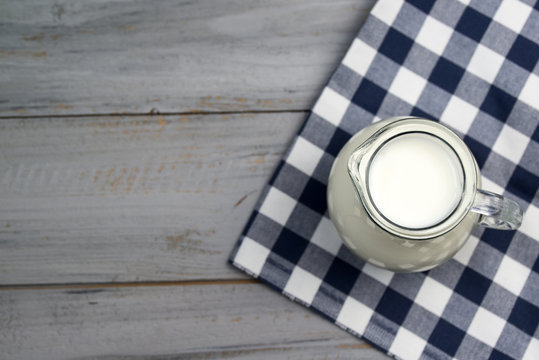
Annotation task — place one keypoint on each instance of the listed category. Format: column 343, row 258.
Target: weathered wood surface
column 95, row 57
column 246, row 321
column 116, row 199
column 148, row 207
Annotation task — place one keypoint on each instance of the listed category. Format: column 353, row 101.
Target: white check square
column 513, row 14
column 407, row 85
column 407, row 345
column 488, row 185
column 251, row 256
column 434, row 35
column 530, row 223
column 485, row 63
column 459, row 114
column 277, row 206
column 433, row 296
column 529, row 91
column 331, row 106
column 512, row 275
column 486, row 326
column 511, row 144
column 382, row 275
column 355, row 315
column 326, row 236
column 359, row 57
column 532, row 351
column 387, row 11
column 304, row 156
column 302, row 285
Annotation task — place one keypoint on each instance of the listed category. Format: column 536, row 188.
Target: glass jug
column 404, row 194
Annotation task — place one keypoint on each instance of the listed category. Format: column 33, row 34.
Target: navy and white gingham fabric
column 472, row 65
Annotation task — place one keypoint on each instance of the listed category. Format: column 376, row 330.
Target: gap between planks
column 130, row 284
column 153, row 113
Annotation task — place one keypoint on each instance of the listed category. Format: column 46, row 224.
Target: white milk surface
column 415, row 180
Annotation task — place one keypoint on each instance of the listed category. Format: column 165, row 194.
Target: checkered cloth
column 473, row 65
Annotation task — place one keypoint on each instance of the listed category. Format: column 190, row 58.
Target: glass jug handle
column 498, row 212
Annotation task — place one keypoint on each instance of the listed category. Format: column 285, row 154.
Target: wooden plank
column 146, row 198
column 89, row 57
column 175, row 322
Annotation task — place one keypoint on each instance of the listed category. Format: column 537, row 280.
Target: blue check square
column 396, row 46
column 498, row 103
column 473, row 286
column 523, row 183
column 524, row 52
column 341, row 275
column 369, row 96
column 473, row 24
column 394, row 306
column 446, row 337
column 446, row 75
column 290, row 246
column 525, row 316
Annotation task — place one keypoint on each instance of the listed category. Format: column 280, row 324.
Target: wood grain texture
column 176, row 322
column 147, row 198
column 89, row 57
column 115, row 228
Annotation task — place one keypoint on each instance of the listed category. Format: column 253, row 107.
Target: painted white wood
column 135, row 56
column 240, row 321
column 115, row 199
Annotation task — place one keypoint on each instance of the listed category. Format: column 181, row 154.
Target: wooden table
column 135, row 138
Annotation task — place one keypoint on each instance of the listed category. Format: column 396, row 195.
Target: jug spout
column 358, row 166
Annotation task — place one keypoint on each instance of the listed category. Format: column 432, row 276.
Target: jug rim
column 361, row 159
